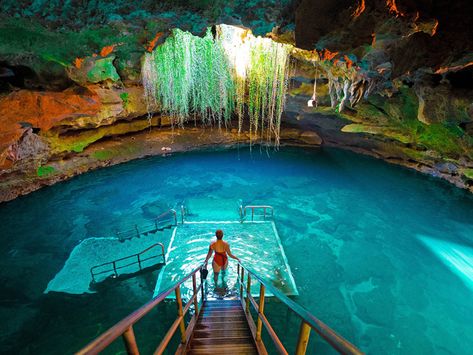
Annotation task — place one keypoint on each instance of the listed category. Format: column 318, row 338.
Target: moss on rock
column 44, row 171
column 79, row 141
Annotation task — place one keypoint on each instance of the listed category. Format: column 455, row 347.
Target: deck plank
column 222, row 329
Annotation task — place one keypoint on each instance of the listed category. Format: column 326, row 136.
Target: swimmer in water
column 221, row 249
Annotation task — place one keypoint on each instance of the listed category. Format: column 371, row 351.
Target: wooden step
column 206, row 315
column 238, row 340
column 222, row 318
column 221, row 325
column 223, row 308
column 227, row 310
column 222, row 328
column 223, row 332
column 211, row 303
column 223, row 350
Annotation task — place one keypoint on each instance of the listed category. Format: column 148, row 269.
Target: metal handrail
column 138, row 261
column 124, row 328
column 154, row 226
column 308, row 321
column 183, row 213
column 243, row 210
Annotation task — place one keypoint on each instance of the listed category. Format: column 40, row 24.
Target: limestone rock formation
column 390, row 78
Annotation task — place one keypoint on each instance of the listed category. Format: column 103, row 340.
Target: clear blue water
column 369, row 245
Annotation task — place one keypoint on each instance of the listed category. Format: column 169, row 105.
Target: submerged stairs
column 222, row 328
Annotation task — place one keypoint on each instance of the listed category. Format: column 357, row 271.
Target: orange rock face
column 107, row 50
column 44, row 109
column 40, row 110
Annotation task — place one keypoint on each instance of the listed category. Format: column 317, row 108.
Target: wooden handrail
column 308, row 321
column 243, row 210
column 124, row 327
column 138, row 261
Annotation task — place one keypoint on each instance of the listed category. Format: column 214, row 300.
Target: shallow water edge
column 166, row 141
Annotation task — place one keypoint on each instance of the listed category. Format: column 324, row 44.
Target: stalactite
column 345, row 95
column 332, row 90
column 357, row 90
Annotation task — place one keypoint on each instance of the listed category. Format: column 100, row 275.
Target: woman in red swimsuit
column 221, row 249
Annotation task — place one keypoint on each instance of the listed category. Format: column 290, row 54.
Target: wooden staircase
column 222, row 328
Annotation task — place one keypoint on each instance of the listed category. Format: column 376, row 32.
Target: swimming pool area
column 381, row 254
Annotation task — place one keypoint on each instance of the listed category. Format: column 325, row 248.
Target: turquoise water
column 251, row 241
column 380, row 253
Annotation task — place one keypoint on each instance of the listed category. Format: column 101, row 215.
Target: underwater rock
column 375, row 307
column 153, row 209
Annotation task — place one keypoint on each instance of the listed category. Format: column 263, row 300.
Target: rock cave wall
column 393, row 79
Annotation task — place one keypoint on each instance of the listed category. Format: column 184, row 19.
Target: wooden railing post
column 182, row 325
column 130, row 342
column 202, row 287
column 238, row 275
column 304, row 333
column 248, row 293
column 259, row 323
column 194, row 288
column 241, row 282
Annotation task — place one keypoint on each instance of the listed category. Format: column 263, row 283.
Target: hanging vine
column 213, row 78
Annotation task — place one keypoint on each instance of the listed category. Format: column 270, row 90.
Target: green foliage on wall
column 103, row 69
column 61, row 46
column 447, row 139
column 103, row 154
column 213, row 78
column 125, row 99
column 45, row 170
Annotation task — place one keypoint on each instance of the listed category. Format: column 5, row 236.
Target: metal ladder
column 206, row 314
column 268, row 212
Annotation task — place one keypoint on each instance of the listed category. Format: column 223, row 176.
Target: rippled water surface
column 382, row 254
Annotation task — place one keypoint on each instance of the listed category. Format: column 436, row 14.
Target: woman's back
column 219, row 246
